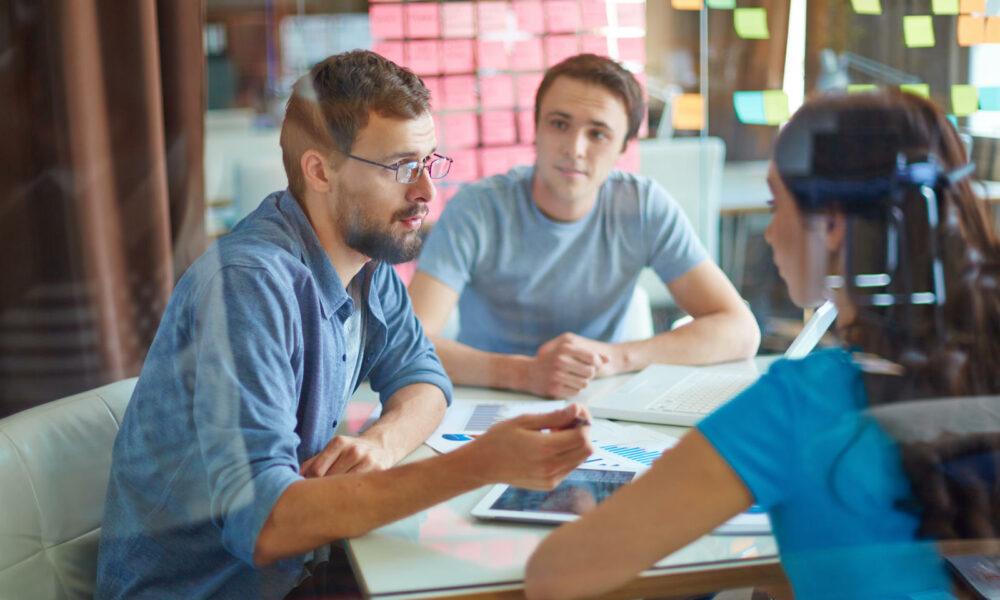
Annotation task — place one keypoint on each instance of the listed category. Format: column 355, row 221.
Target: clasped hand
column 565, row 365
column 344, row 454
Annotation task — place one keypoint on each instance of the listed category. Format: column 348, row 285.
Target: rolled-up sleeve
column 408, row 356
column 245, row 401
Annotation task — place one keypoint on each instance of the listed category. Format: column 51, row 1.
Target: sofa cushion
column 54, row 462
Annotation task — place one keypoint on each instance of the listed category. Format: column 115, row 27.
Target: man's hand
column 518, row 452
column 347, row 455
column 565, row 365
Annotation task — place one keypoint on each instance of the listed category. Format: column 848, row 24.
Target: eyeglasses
column 409, row 172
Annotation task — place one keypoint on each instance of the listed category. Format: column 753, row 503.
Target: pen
column 579, row 422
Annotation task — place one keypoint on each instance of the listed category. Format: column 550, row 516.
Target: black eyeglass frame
column 419, row 170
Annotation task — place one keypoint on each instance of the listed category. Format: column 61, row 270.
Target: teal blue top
column 831, row 480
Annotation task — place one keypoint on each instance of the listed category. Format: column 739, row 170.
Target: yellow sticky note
column 992, row 30
column 971, row 30
column 776, row 107
column 688, row 112
column 944, row 7
column 686, row 4
column 964, row 100
column 919, row 89
column 867, row 7
column 971, row 6
column 918, row 31
column 861, row 88
column 751, row 23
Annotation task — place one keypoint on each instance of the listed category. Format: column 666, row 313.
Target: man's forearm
column 468, row 366
column 708, row 339
column 408, row 418
column 314, row 512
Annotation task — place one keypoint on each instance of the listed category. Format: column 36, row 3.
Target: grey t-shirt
column 354, row 334
column 525, row 279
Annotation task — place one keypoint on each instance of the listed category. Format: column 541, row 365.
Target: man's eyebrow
column 569, row 117
column 407, row 154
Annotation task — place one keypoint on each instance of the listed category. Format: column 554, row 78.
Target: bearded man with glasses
column 227, row 478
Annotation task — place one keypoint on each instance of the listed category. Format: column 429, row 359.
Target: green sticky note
column 964, row 100
column 867, row 7
column 776, row 107
column 726, row 4
column 751, row 23
column 944, row 7
column 861, row 88
column 919, row 89
column 918, row 31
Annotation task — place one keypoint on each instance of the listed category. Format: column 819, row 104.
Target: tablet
column 579, row 492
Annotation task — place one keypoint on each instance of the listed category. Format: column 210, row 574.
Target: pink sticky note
column 526, row 126
column 386, row 21
column 492, row 55
column 498, row 128
column 632, row 49
column 527, row 55
column 629, row 161
column 459, row 92
column 390, row 50
column 492, row 17
column 422, row 56
column 530, row 16
column 527, row 85
column 496, row 91
column 461, row 130
column 495, row 161
column 559, row 47
column 562, row 15
column 457, row 56
column 458, row 20
column 594, row 44
column 632, row 15
column 433, row 85
column 406, row 271
column 422, row 20
column 594, row 15
column 466, row 166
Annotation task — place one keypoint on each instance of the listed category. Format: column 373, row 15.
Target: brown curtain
column 101, row 191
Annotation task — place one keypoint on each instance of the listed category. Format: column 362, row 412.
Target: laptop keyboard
column 696, row 395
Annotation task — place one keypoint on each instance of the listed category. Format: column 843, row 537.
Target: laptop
column 683, row 395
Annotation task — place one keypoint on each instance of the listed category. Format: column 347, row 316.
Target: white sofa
column 54, row 466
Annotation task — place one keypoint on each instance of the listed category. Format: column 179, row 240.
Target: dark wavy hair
column 940, row 351
column 331, row 103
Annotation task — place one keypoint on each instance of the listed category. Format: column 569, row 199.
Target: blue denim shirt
column 243, row 382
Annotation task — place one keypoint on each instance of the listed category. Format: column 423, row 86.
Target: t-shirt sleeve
column 673, row 246
column 408, row 356
column 453, row 248
column 245, row 400
column 762, row 432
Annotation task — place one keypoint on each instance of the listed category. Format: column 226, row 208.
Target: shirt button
column 343, row 357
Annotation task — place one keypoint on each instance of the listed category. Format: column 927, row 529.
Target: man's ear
column 316, row 170
column 835, row 225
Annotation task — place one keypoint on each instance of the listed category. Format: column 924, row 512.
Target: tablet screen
column 579, row 492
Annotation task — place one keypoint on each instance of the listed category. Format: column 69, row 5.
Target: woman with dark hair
column 872, row 208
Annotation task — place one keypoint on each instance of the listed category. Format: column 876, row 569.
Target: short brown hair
column 331, row 103
column 602, row 71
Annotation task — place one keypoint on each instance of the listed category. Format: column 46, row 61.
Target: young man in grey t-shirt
column 542, row 261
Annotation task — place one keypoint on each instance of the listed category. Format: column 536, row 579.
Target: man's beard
column 377, row 243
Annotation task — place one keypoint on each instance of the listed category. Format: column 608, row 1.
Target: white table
column 443, row 552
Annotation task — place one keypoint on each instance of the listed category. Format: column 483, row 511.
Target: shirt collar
column 332, row 294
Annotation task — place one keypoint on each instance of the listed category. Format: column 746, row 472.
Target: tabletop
column 445, row 552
